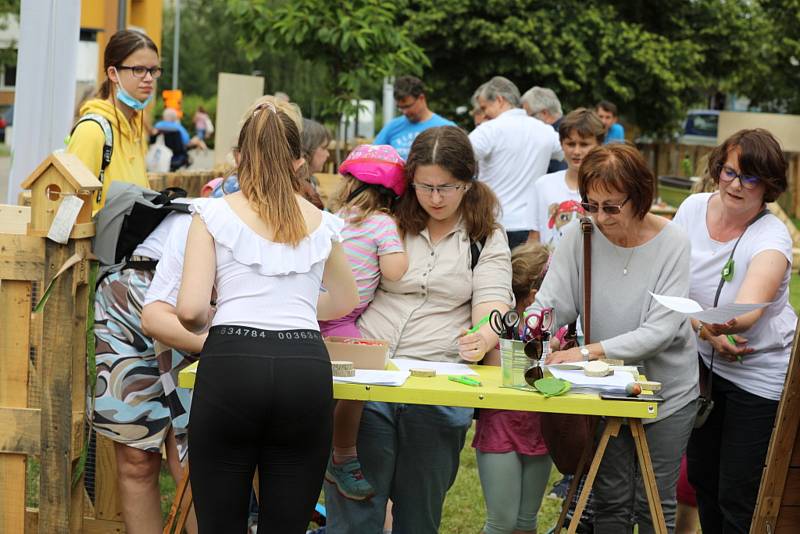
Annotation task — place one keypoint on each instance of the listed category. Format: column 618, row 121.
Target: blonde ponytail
column 266, row 174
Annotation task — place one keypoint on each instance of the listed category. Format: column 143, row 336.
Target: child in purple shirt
column 373, row 178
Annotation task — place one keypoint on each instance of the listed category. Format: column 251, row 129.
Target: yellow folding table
column 439, row 391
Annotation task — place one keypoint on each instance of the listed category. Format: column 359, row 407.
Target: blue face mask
column 126, row 98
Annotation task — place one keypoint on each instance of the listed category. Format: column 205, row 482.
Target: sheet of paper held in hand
column 719, row 315
column 375, row 378
column 441, row 368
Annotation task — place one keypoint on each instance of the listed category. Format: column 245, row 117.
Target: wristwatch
column 585, row 354
column 700, row 330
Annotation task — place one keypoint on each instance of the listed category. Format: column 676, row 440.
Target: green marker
column 467, row 381
column 479, row 325
column 732, row 341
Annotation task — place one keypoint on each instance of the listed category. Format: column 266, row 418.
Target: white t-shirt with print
column 763, row 372
column 554, row 206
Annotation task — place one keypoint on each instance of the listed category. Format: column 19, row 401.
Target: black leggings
column 261, row 399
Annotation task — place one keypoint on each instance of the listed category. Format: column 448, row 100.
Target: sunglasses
column 729, row 175
column 533, row 350
column 608, row 209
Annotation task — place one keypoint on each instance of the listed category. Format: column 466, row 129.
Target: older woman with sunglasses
column 740, row 253
column 634, row 253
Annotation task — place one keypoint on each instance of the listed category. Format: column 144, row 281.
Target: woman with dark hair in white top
column 740, row 253
column 263, row 395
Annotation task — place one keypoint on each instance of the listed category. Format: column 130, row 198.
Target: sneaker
column 349, row 479
column 561, row 488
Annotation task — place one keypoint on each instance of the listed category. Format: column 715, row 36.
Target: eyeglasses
column 139, row 71
column 443, row 190
column 728, row 175
column 608, row 209
column 407, row 106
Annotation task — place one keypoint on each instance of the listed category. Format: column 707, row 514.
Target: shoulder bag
column 567, row 435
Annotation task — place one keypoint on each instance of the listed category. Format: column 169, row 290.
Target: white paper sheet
column 719, row 315
column 441, row 368
column 375, row 378
column 65, row 219
column 578, row 379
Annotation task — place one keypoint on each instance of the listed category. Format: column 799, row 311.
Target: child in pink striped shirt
column 373, row 178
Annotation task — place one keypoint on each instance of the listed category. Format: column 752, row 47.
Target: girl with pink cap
column 373, row 178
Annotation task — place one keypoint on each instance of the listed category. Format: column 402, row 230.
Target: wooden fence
column 43, row 382
column 672, row 159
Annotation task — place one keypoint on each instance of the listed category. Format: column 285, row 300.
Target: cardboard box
column 372, row 356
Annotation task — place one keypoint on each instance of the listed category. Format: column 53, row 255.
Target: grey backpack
column 128, row 216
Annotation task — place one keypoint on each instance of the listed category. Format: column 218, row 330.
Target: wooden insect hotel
column 43, row 362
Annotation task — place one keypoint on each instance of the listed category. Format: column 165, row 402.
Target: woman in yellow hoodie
column 131, row 406
column 132, row 67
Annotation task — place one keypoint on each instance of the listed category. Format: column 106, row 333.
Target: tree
column 654, row 59
column 357, row 42
column 776, row 86
column 8, row 9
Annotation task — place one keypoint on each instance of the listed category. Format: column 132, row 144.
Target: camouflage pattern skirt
column 136, row 400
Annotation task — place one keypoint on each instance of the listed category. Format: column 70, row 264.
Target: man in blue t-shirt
column 607, row 111
column 409, row 94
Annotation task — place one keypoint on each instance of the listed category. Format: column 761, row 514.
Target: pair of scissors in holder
column 504, row 324
column 537, row 323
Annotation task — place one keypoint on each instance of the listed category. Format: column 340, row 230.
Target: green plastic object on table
column 552, row 387
column 467, row 381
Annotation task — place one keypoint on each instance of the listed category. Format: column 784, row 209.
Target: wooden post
column 778, row 504
column 63, row 390
column 107, row 504
column 21, row 260
column 15, row 306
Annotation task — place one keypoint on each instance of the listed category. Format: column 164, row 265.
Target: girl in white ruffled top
column 263, row 395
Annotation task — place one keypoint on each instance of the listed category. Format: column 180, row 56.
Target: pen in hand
column 478, row 325
column 732, row 341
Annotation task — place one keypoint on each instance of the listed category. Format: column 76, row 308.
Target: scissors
column 504, row 324
column 536, row 323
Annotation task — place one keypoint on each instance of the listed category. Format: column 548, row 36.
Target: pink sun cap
column 376, row 164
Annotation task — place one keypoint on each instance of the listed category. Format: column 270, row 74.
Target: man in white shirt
column 513, row 151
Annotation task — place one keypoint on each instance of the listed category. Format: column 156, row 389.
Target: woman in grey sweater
column 633, row 253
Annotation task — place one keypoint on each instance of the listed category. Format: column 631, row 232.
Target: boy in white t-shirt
column 556, row 200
